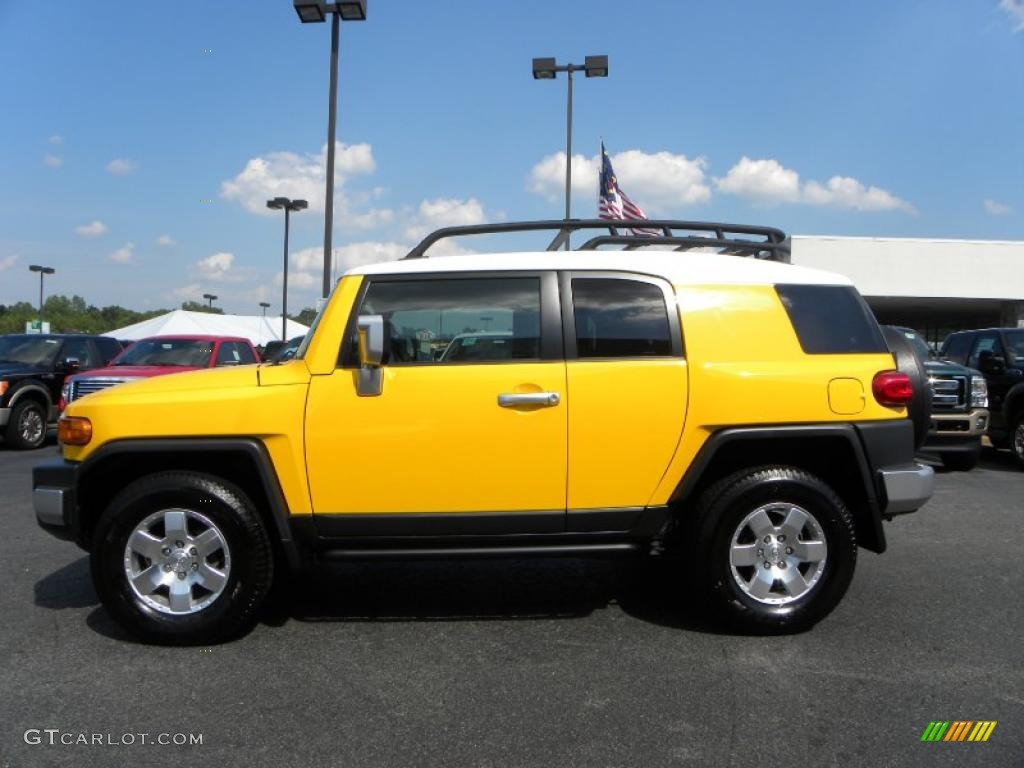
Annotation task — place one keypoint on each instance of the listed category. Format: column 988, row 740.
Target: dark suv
column 960, row 414
column 999, row 354
column 32, row 371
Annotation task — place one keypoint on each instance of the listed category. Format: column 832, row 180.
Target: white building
column 935, row 286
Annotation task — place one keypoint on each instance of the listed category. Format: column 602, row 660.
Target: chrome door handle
column 532, row 398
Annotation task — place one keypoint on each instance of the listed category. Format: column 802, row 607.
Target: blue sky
column 128, row 125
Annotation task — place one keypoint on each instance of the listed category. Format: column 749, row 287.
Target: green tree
column 195, row 306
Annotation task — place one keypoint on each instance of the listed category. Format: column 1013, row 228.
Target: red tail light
column 892, row 388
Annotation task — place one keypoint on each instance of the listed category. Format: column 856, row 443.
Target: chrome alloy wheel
column 1018, row 440
column 31, row 426
column 778, row 553
column 177, row 561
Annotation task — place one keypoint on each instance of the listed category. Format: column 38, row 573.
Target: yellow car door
column 627, row 376
column 471, row 411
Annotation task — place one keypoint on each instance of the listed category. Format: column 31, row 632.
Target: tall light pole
column 279, row 203
column 315, row 11
column 265, row 305
column 43, row 271
column 211, row 297
column 547, row 69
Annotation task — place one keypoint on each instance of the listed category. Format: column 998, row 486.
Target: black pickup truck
column 32, row 371
column 999, row 354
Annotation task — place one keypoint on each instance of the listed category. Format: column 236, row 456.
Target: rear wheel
column 919, row 410
column 27, row 426
column 181, row 558
column 775, row 548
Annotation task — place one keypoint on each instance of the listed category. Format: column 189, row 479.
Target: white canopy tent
column 259, row 330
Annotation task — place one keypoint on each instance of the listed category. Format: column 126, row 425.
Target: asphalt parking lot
column 546, row 663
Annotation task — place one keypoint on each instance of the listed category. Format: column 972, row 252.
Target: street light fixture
column 43, row 271
column 265, row 305
column 312, row 11
column 548, row 69
column 211, row 297
column 277, row 204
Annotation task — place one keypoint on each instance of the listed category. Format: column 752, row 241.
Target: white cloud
column 287, row 174
column 306, row 267
column 190, row 292
column 769, row 182
column 217, row 267
column 55, row 139
column 997, row 209
column 847, row 192
column 761, row 180
column 123, row 255
column 7, row 262
column 121, row 167
column 53, row 161
column 1015, row 9
column 444, row 212
column 658, row 181
column 165, row 240
column 94, row 229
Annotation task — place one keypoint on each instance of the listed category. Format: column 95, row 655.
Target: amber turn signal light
column 74, row 430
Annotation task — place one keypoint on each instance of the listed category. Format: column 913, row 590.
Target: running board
column 422, row 553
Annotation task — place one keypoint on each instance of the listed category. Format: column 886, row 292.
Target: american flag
column 613, row 203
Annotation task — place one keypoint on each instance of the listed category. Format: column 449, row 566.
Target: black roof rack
column 756, row 242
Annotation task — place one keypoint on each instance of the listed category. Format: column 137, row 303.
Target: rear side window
column 831, row 319
column 620, row 318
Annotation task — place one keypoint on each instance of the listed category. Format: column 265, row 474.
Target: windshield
column 1015, row 347
column 182, row 352
column 29, row 350
column 920, row 345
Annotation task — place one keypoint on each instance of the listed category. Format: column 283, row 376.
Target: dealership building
column 935, row 286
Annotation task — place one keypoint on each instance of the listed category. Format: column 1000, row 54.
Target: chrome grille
column 90, row 385
column 949, row 393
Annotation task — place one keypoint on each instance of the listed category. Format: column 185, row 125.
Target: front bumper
column 5, row 416
column 956, row 432
column 54, row 499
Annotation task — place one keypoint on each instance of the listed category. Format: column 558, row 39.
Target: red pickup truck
column 158, row 356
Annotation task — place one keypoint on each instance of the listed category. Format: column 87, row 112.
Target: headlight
column 979, row 392
column 3, row 387
column 65, row 392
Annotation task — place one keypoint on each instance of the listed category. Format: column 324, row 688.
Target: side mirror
column 71, row 364
column 369, row 377
column 992, row 364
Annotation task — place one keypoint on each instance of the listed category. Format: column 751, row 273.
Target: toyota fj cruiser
column 692, row 393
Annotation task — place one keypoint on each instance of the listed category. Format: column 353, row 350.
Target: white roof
column 258, row 329
column 679, row 268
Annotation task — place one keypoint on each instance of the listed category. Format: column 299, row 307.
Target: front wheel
column 181, row 558
column 776, row 548
column 1017, row 440
column 26, row 428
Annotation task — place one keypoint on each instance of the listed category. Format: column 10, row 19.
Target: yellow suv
column 688, row 393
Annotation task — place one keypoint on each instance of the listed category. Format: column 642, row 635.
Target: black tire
column 18, row 434
column 249, row 578
column 961, row 461
column 1017, row 439
column 907, row 361
column 720, row 511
